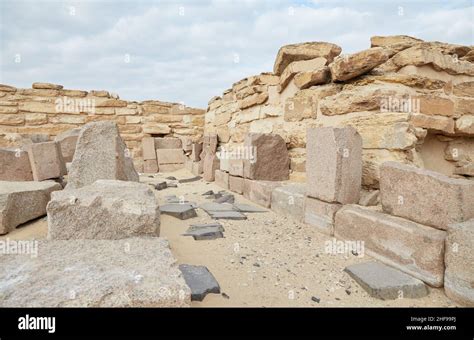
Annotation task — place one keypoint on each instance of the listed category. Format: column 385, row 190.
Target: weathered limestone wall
column 45, row 110
column 411, row 101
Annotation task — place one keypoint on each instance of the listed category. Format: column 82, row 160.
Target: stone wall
column 411, row 101
column 45, row 110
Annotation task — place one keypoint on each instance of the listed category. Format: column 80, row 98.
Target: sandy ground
column 265, row 261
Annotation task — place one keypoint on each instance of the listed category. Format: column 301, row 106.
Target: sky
column 191, row 51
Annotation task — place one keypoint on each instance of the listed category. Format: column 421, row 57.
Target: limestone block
column 210, row 165
column 260, row 192
column 304, row 51
column 67, row 141
column 320, row 214
column 425, row 196
column 106, row 209
column 150, row 166
column 46, row 160
column 270, row 162
column 304, row 80
column 168, row 143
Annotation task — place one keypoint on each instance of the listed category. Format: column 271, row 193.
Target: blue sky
column 190, row 51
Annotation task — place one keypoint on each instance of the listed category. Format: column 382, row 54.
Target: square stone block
column 334, row 164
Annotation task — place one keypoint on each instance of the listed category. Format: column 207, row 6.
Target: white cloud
column 190, row 58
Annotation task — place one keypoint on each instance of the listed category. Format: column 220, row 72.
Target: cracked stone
column 384, row 282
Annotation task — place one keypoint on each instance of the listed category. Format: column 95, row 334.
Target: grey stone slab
column 386, row 283
column 189, row 180
column 242, row 207
column 200, row 281
column 181, row 211
column 227, row 198
column 212, row 206
column 227, row 215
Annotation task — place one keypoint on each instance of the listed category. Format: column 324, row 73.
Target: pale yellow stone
column 431, row 122
column 304, row 51
column 133, row 119
column 255, row 99
column 12, row 119
column 36, row 118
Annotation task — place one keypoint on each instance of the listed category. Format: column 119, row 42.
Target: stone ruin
column 376, row 146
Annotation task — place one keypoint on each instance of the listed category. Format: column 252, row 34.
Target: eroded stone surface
column 304, row 51
column 459, row 274
column 67, row 142
column 106, row 209
column 288, row 200
column 100, row 154
column 425, row 196
column 334, row 164
column 15, row 165
column 46, row 160
column 260, row 192
column 200, row 281
column 271, row 161
column 133, row 272
column 411, row 247
column 183, row 211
